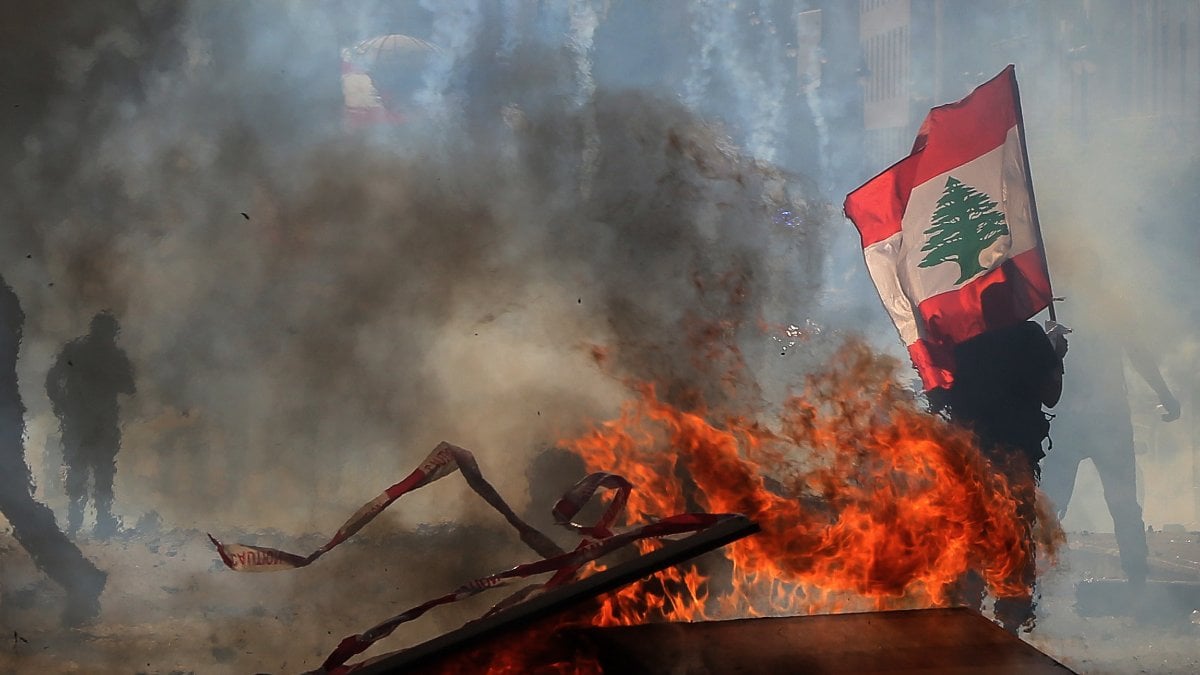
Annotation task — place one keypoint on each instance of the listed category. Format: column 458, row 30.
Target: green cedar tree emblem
column 965, row 223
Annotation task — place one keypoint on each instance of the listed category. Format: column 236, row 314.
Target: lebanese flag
column 950, row 233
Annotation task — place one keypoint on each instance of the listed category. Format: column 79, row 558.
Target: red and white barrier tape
column 598, row 540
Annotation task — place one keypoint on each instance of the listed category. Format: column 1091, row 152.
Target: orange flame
column 865, row 501
column 539, row 649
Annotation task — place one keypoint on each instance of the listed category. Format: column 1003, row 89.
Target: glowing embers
column 534, row 635
column 865, row 501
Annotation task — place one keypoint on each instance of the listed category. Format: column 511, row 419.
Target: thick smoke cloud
column 309, row 310
column 377, row 294
column 586, row 193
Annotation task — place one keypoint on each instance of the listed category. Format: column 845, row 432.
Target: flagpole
column 1037, row 226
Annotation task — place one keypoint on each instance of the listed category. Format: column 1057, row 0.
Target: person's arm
column 1146, row 366
column 1052, row 386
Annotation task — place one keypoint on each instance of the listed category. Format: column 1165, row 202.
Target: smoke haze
column 582, row 195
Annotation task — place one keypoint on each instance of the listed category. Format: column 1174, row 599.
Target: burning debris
column 865, row 502
column 597, row 540
column 534, row 635
column 563, row 205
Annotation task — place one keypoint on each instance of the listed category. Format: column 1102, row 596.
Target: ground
column 170, row 607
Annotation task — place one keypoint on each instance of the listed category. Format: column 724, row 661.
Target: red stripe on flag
column 935, row 364
column 956, row 133
column 877, row 207
column 1016, row 290
column 951, row 136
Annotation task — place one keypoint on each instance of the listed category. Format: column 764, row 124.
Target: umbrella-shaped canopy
column 386, row 50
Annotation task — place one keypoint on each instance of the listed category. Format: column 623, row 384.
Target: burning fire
column 539, row 649
column 865, row 501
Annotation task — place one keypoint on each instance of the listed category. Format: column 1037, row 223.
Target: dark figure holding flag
column 951, row 239
column 1002, row 379
column 83, row 385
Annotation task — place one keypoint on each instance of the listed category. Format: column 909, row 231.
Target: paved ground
column 1155, row 631
column 171, row 608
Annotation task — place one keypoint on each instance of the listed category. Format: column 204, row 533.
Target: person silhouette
column 1003, row 379
column 32, row 522
column 83, row 385
column 1094, row 421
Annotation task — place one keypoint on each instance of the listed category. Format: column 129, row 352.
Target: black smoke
column 309, row 310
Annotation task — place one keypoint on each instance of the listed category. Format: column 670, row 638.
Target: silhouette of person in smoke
column 1002, row 378
column 32, row 522
column 1094, row 420
column 83, row 385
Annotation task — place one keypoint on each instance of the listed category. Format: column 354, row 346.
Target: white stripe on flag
column 881, row 258
column 1001, row 175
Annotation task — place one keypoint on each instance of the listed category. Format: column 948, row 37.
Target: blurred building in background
column 1098, row 64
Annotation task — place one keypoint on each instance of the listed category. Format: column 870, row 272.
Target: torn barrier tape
column 566, row 567
column 598, row 540
column 444, row 460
